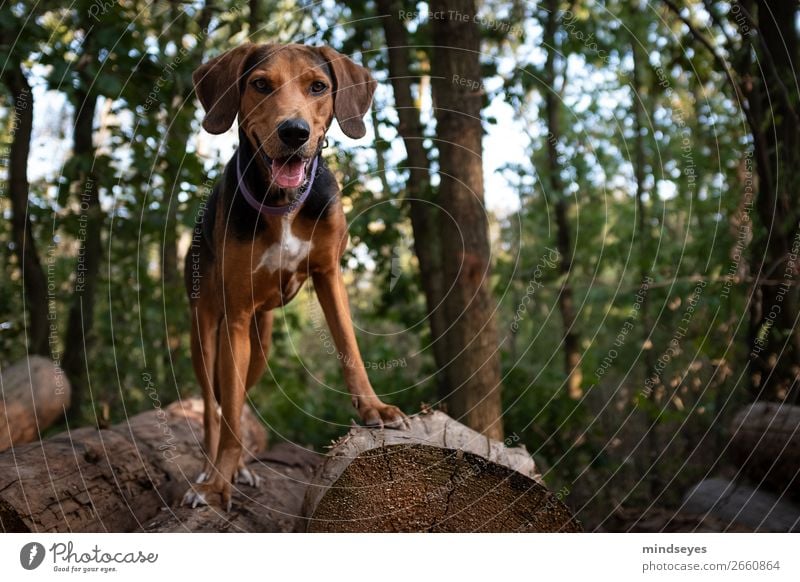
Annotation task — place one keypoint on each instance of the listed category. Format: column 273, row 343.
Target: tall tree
column 556, row 81
column 33, row 277
column 81, row 312
column 84, row 66
column 764, row 79
column 774, row 100
column 473, row 368
column 424, row 215
column 176, row 167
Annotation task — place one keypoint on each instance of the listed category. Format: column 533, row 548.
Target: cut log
column 276, row 506
column 438, row 476
column 90, row 480
column 740, row 504
column 766, row 445
column 35, row 392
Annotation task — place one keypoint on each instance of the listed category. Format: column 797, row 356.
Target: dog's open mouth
column 289, row 172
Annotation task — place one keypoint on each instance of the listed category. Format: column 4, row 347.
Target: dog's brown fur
column 232, row 285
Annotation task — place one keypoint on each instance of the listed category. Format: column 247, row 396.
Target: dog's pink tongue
column 288, row 174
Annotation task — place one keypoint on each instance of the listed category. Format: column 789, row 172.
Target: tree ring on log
column 417, row 487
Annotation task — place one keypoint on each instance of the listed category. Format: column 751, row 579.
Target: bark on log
column 35, row 393
column 276, row 506
column 766, row 445
column 108, row 480
column 738, row 503
column 438, row 476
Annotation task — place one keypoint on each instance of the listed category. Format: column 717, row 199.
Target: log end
column 418, row 487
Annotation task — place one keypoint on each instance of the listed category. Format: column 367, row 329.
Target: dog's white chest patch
column 287, row 253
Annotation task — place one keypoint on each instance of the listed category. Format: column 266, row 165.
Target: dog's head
column 286, row 97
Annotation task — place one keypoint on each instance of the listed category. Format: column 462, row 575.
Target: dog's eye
column 261, row 86
column 318, row 87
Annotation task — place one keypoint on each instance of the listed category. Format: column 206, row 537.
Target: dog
column 273, row 220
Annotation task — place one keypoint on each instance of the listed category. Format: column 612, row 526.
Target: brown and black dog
column 273, row 220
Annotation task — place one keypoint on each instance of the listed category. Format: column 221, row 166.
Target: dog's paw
column 201, row 494
column 245, row 476
column 381, row 415
column 205, row 474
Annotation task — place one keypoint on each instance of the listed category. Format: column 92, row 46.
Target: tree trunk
column 32, row 274
column 439, row 476
column 35, row 393
column 78, row 337
column 424, row 215
column 179, row 113
column 471, row 342
column 253, row 18
column 572, row 353
column 772, row 96
column 90, row 480
column 765, row 443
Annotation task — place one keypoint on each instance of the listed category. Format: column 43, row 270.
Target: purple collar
column 264, row 208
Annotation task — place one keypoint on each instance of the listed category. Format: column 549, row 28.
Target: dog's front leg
column 333, row 299
column 233, row 362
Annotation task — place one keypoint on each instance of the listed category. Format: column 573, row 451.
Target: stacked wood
column 34, row 393
column 90, row 480
column 437, row 476
column 766, row 445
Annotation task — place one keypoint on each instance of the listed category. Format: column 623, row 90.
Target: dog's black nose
column 294, row 132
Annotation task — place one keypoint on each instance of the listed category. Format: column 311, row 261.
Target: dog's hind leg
column 260, row 341
column 232, row 360
column 205, row 329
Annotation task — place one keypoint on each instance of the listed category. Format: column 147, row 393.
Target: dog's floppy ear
column 217, row 86
column 353, row 92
